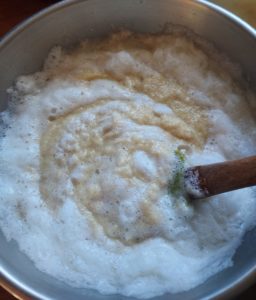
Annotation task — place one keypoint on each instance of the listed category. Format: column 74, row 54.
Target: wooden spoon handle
column 209, row 180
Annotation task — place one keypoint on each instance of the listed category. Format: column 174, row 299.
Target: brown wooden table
column 11, row 13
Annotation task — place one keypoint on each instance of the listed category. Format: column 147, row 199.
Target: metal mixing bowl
column 23, row 51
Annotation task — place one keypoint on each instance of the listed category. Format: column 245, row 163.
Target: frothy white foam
column 87, row 153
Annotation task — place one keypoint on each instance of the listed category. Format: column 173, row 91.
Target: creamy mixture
column 87, row 154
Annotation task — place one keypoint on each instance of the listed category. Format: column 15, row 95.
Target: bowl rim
column 23, row 292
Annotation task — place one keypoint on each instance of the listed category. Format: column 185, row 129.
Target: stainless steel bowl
column 23, row 51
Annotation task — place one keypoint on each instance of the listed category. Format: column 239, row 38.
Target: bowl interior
column 24, row 50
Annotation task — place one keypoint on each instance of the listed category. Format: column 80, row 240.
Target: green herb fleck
column 180, row 155
column 176, row 184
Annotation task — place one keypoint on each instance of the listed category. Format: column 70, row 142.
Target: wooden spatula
column 208, row 180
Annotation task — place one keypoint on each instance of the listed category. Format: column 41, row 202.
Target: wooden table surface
column 11, row 13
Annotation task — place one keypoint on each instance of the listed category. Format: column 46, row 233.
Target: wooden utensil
column 209, row 180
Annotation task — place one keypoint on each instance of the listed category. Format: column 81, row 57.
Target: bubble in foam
column 192, row 184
